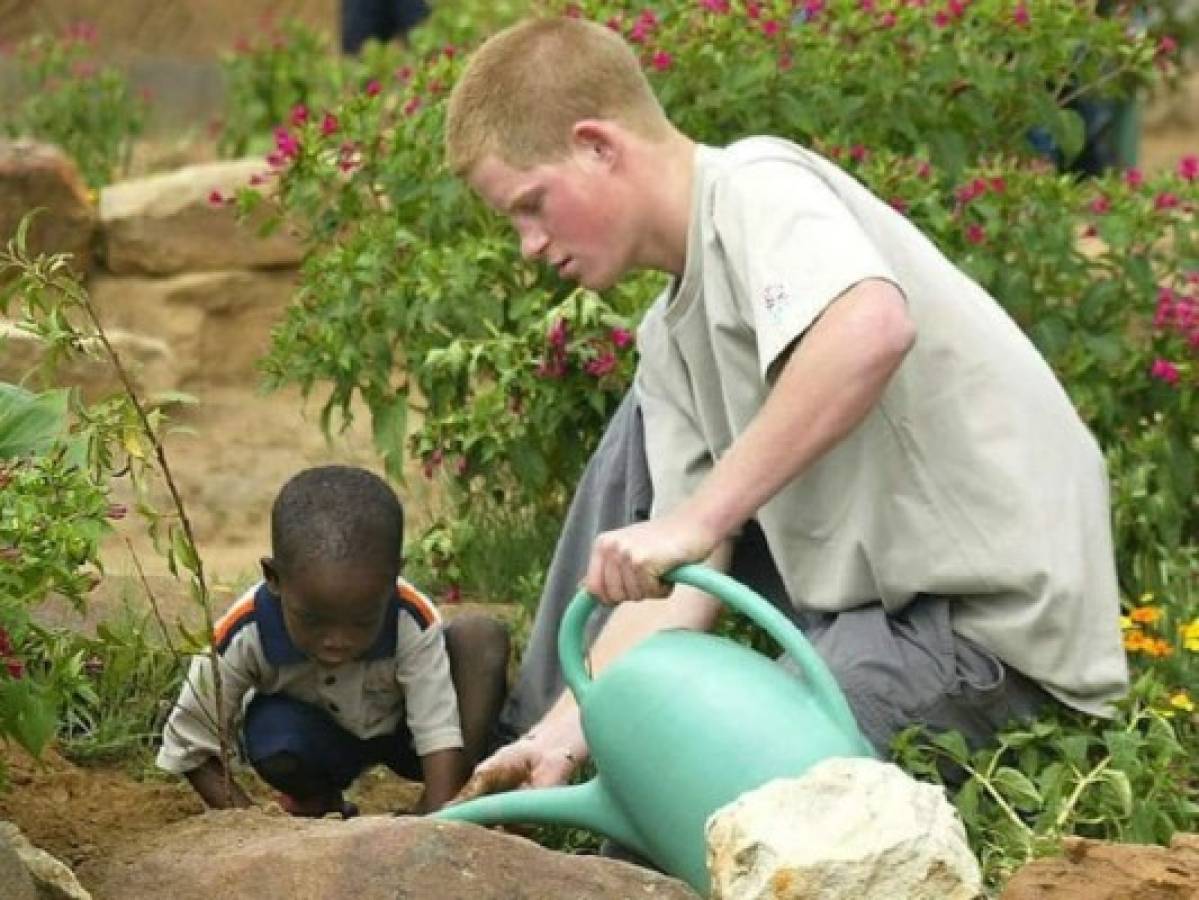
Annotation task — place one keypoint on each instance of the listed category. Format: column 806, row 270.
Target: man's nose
column 532, row 242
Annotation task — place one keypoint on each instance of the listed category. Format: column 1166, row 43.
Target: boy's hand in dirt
column 215, row 788
column 523, row 764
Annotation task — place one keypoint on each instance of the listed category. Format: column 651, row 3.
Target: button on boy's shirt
column 972, row 478
column 405, row 675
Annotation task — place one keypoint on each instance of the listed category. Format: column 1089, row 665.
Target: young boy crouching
column 334, row 663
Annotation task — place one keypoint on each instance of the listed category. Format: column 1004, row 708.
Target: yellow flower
column 1145, row 615
column 1180, row 700
column 1125, row 623
column 1190, row 635
column 1134, row 640
column 1158, row 648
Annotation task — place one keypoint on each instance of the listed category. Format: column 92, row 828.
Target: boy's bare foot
column 318, row 807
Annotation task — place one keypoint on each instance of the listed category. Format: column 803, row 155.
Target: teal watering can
column 679, row 726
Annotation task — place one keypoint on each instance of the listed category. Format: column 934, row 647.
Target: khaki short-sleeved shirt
column 973, row 477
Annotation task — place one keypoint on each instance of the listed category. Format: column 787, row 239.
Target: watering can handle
column 571, row 638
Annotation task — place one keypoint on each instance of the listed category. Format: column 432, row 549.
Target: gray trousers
column 896, row 670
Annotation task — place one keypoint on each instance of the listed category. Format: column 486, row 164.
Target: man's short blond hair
column 525, row 88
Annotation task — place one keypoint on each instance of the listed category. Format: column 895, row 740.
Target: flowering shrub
column 69, row 98
column 52, row 514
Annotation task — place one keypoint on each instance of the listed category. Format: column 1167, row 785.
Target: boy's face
column 567, row 213
column 333, row 612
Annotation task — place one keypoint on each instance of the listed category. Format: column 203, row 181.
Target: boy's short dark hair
column 336, row 514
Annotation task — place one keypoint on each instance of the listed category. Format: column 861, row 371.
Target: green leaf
column 1017, row 787
column 184, row 552
column 954, row 744
column 30, row 423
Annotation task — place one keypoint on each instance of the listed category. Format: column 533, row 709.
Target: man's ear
column 598, row 140
column 270, row 574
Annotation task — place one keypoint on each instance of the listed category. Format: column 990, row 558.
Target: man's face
column 567, row 213
column 333, row 613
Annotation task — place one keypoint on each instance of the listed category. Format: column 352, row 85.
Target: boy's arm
column 190, row 739
column 832, row 379
column 444, row 772
column 216, row 787
column 431, row 703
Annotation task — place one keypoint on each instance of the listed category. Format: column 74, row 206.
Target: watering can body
column 681, row 725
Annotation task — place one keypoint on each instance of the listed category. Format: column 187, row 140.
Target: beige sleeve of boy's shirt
column 423, row 670
column 190, row 735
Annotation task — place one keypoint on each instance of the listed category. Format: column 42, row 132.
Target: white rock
column 849, row 829
column 53, row 879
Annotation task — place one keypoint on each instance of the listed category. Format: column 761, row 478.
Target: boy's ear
column 599, row 139
column 270, row 574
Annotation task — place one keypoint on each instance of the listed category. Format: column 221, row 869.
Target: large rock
column 848, row 828
column 51, row 877
column 252, row 855
column 34, row 175
column 217, row 324
column 1094, row 870
column 148, row 361
column 164, row 224
column 15, row 883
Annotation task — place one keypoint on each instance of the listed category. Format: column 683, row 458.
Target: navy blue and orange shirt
column 404, row 676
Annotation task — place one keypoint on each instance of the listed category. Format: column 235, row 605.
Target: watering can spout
column 585, row 805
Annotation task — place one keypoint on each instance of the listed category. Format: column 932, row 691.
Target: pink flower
column 1167, row 45
column 924, row 169
column 753, row 9
column 602, row 364
column 1165, row 200
column 976, row 234
column 15, row 667
column 1188, row 167
column 941, row 19
column 621, row 337
column 968, row 192
column 813, row 8
column 411, row 107
column 449, row 51
column 866, row 5
column 403, row 74
column 453, row 594
column 720, row 7
column 1164, row 370
column 887, row 20
column 461, row 467
column 899, row 205
column 1101, row 206
column 275, row 160
column 216, row 198
column 558, row 333
column 299, row 115
column 613, row 24
column 1020, row 15
column 998, row 185
column 373, row 88
column 661, row 61
column 858, row 153
column 1133, row 178
column 286, row 144
column 5, row 643
column 329, row 124
column 770, row 28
